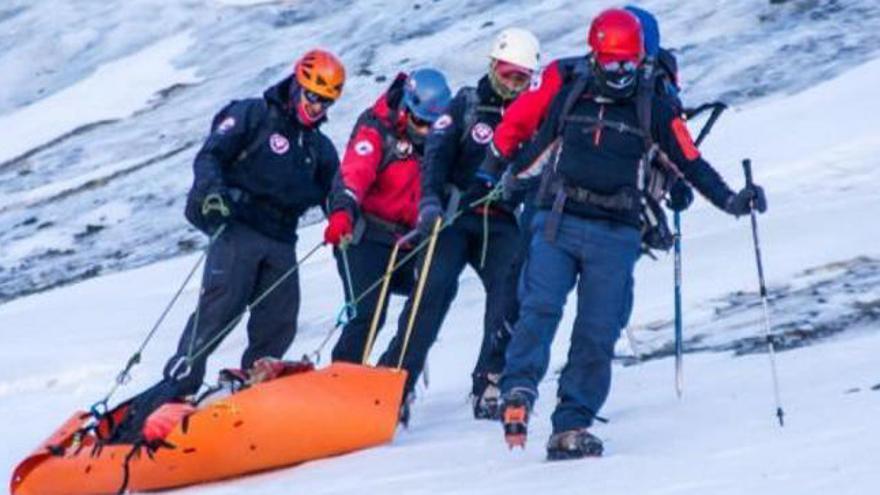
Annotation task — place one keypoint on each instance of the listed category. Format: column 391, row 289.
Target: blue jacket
column 271, row 167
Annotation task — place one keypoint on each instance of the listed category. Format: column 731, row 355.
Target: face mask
column 616, row 80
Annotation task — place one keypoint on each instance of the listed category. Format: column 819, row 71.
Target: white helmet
column 517, row 46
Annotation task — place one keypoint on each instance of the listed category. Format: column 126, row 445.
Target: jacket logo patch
column 363, row 148
column 404, row 148
column 443, row 122
column 537, row 80
column 482, row 133
column 226, row 125
column 279, row 144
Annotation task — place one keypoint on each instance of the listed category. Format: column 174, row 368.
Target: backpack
column 393, row 148
column 656, row 173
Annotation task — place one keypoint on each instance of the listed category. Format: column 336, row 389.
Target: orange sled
column 338, row 409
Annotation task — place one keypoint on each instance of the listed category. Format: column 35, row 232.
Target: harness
column 656, row 172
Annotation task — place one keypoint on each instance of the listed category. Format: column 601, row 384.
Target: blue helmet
column 426, row 94
column 650, row 29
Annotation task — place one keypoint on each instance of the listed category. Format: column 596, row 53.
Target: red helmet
column 616, row 36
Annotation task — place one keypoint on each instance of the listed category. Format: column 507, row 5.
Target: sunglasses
column 417, row 122
column 315, row 98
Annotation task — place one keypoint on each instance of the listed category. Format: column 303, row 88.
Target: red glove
column 159, row 424
column 338, row 228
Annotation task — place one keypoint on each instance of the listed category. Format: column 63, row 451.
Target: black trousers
column 368, row 261
column 460, row 245
column 240, row 266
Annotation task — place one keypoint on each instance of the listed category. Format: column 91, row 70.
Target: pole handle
column 747, row 169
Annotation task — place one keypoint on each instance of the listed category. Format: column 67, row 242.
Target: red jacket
column 523, row 117
column 389, row 190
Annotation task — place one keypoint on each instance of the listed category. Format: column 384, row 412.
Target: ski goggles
column 315, row 98
column 512, row 75
column 620, row 66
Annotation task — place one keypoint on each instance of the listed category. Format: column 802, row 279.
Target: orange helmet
column 320, row 72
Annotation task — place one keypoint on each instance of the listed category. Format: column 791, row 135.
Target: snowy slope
column 62, row 348
column 104, row 103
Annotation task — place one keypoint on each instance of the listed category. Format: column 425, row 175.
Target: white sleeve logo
column 363, row 147
column 226, row 125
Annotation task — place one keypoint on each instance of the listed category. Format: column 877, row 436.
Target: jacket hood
column 279, row 95
column 388, row 106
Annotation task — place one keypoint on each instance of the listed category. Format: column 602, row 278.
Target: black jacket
column 456, row 145
column 271, row 167
column 605, row 160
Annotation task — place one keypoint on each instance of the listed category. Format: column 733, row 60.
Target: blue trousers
column 597, row 257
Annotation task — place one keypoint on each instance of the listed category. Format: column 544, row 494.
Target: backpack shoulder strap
column 390, row 142
column 265, row 128
column 578, row 87
column 472, row 109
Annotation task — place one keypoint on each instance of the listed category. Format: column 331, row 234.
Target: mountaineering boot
column 487, row 404
column 573, row 444
column 405, row 406
column 515, row 411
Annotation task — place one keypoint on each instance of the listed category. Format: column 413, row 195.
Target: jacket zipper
column 598, row 137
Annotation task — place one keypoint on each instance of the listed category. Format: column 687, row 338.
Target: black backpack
column 657, row 173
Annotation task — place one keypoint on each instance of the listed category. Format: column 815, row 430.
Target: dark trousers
column 598, row 257
column 459, row 245
column 240, row 266
column 368, row 261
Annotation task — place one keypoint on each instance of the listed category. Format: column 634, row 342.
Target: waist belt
column 394, row 228
column 623, row 200
column 266, row 207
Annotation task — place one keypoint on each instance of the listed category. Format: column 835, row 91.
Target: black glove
column 680, row 196
column 510, row 185
column 741, row 202
column 429, row 211
column 216, row 209
column 491, row 168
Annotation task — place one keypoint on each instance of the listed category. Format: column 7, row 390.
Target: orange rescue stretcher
column 312, row 415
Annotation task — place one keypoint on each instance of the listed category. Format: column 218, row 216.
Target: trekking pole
column 135, row 358
column 717, row 109
column 679, row 344
column 383, row 294
column 423, row 277
column 771, row 350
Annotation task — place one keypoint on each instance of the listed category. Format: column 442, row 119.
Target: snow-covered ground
column 109, row 195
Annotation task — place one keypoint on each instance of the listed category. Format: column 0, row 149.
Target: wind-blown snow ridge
column 115, row 91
